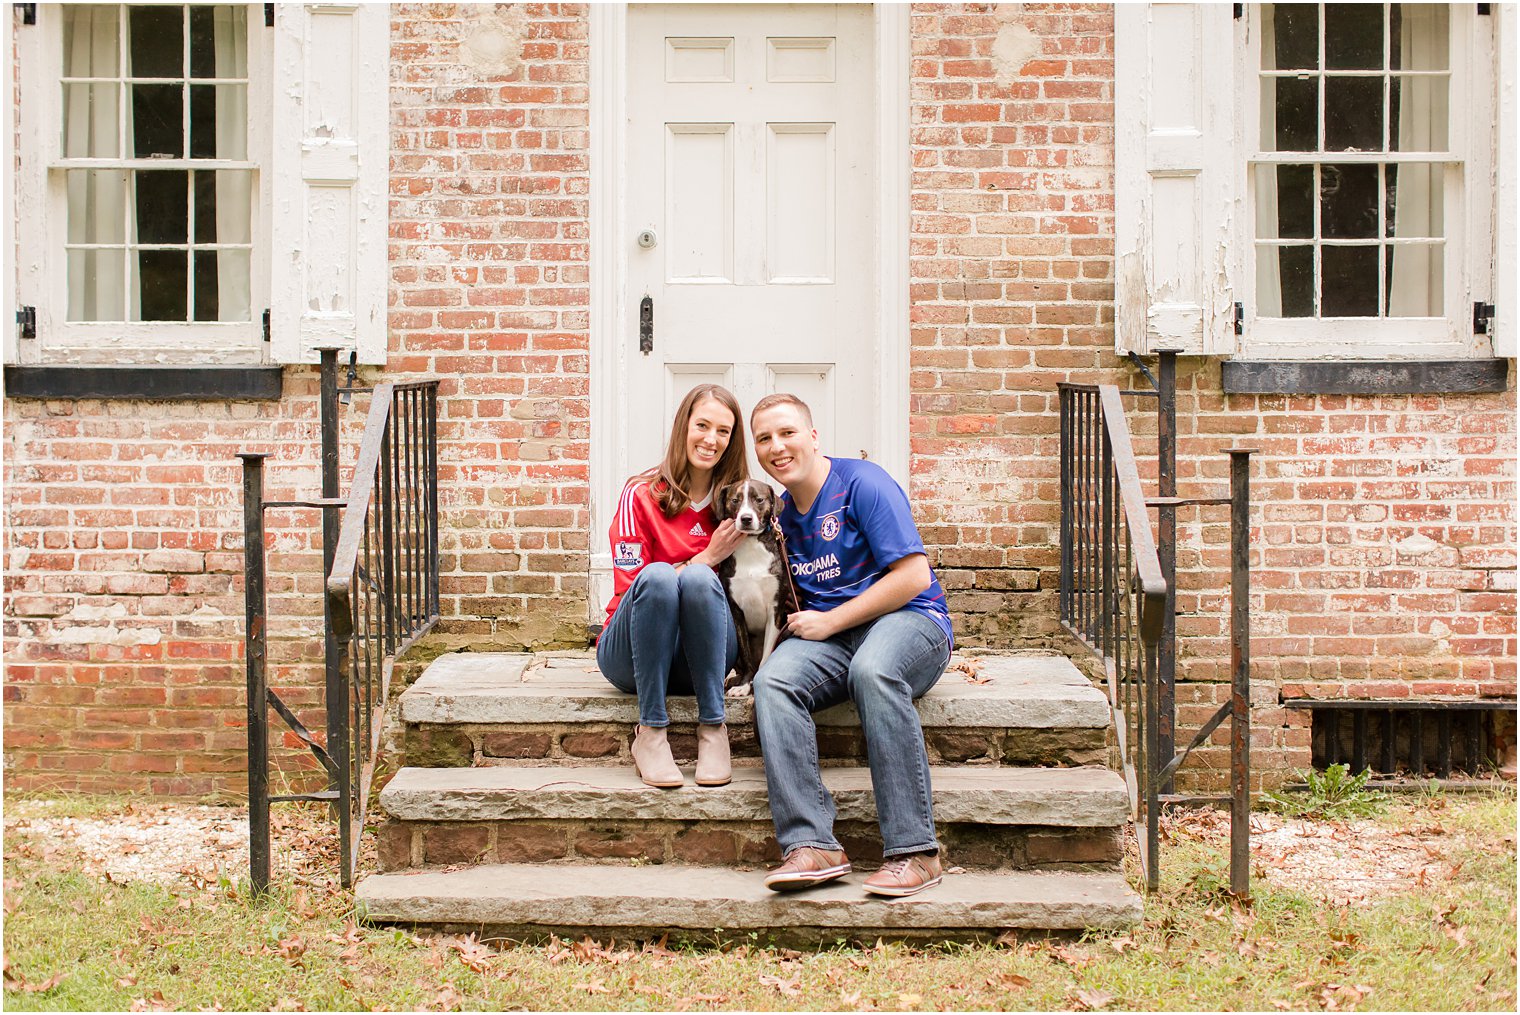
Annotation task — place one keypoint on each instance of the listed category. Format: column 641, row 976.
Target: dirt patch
column 1338, row 862
column 174, row 844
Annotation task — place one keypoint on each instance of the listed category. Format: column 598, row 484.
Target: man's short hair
column 781, row 398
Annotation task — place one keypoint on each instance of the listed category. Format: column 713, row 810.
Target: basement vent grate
column 1411, row 738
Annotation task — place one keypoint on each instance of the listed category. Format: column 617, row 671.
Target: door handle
column 646, row 325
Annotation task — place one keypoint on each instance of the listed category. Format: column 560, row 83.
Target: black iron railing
column 1117, row 597
column 380, row 562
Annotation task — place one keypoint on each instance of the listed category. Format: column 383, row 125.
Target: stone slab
column 1034, row 691
column 1071, row 797
column 670, row 896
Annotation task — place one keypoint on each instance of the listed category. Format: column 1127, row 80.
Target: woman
column 668, row 627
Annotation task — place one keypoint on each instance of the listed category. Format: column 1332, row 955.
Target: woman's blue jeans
column 880, row 666
column 671, row 634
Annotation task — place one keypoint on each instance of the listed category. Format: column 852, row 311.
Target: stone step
column 527, row 709
column 997, row 818
column 525, row 900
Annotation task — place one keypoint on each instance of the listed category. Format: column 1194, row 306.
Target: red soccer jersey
column 641, row 535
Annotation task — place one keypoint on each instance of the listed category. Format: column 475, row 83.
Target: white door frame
column 610, row 244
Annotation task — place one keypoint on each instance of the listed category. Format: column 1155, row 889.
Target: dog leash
column 786, row 561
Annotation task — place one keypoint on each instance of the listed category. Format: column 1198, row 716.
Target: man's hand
column 811, row 625
column 725, row 541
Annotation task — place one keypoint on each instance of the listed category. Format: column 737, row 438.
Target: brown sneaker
column 905, row 875
column 807, row 866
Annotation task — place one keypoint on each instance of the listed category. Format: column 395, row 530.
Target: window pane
column 1354, row 36
column 161, row 277
column 1416, row 200
column 1354, row 114
column 1348, row 199
column 90, row 119
column 158, row 126
column 163, row 206
column 222, row 285
column 1418, row 107
column 97, row 205
column 218, row 121
column 218, row 42
column 91, row 41
column 1291, row 283
column 1296, row 115
column 222, row 203
column 96, row 285
column 1295, row 35
column 1350, row 284
column 156, row 42
column 1285, row 202
column 1416, row 280
column 1419, row 37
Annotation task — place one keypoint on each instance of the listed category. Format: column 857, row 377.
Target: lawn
column 1412, row 909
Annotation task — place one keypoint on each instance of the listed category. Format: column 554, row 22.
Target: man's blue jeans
column 881, row 666
column 671, row 634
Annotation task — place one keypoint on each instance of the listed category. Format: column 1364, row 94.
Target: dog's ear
column 721, row 501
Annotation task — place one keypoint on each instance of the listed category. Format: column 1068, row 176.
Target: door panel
column 750, row 159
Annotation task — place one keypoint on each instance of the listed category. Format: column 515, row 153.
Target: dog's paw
column 740, row 690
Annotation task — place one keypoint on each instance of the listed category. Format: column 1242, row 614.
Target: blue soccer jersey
column 858, row 526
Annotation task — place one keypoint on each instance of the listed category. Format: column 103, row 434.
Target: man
column 872, row 628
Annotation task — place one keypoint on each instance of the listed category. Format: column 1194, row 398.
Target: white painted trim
column 894, row 181
column 9, row 346
column 609, row 296
column 609, row 119
column 1504, row 290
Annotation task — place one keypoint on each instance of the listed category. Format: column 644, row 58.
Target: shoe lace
column 896, row 868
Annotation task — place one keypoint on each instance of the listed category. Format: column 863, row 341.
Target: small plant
column 1334, row 794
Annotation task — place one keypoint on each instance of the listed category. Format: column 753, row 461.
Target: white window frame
column 1469, row 218
column 42, row 213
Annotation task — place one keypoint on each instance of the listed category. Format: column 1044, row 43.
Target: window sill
column 1383, row 377
column 167, row 384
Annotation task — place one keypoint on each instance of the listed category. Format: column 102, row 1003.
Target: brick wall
column 1383, row 544
column 1384, row 533
column 124, row 613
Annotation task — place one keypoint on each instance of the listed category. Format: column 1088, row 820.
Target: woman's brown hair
column 670, row 480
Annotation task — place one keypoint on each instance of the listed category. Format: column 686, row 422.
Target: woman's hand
column 725, row 540
column 811, row 625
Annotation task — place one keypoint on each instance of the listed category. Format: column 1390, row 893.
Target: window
column 160, row 169
column 149, row 130
column 1358, row 179
column 1312, row 181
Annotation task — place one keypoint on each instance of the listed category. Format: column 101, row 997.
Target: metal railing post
column 340, row 779
column 1240, row 671
column 255, row 637
column 1166, row 550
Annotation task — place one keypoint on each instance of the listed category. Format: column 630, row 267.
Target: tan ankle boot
column 713, row 765
column 652, row 757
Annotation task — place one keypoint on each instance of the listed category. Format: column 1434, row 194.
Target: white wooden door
column 750, row 172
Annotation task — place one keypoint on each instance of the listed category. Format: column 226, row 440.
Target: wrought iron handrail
column 380, row 568
column 1117, row 594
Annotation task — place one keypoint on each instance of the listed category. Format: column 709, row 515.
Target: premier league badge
column 628, row 555
column 830, row 527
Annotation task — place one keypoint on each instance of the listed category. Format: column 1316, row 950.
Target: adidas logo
column 697, row 530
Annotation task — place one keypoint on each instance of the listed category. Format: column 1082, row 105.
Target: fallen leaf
column 790, row 988
column 594, row 987
column 910, row 1000
column 1092, row 1000
column 1013, row 980
column 1122, row 944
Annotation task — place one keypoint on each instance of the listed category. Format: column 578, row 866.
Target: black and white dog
column 754, row 577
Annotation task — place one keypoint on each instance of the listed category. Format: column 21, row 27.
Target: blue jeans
column 671, row 634
column 881, row 666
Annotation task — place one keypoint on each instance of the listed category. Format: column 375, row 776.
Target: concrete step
column 527, row 709
column 1087, row 797
column 988, row 818
column 642, row 901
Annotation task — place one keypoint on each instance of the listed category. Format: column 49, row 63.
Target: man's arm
column 905, row 578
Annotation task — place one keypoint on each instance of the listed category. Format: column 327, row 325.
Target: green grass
column 1449, row 945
